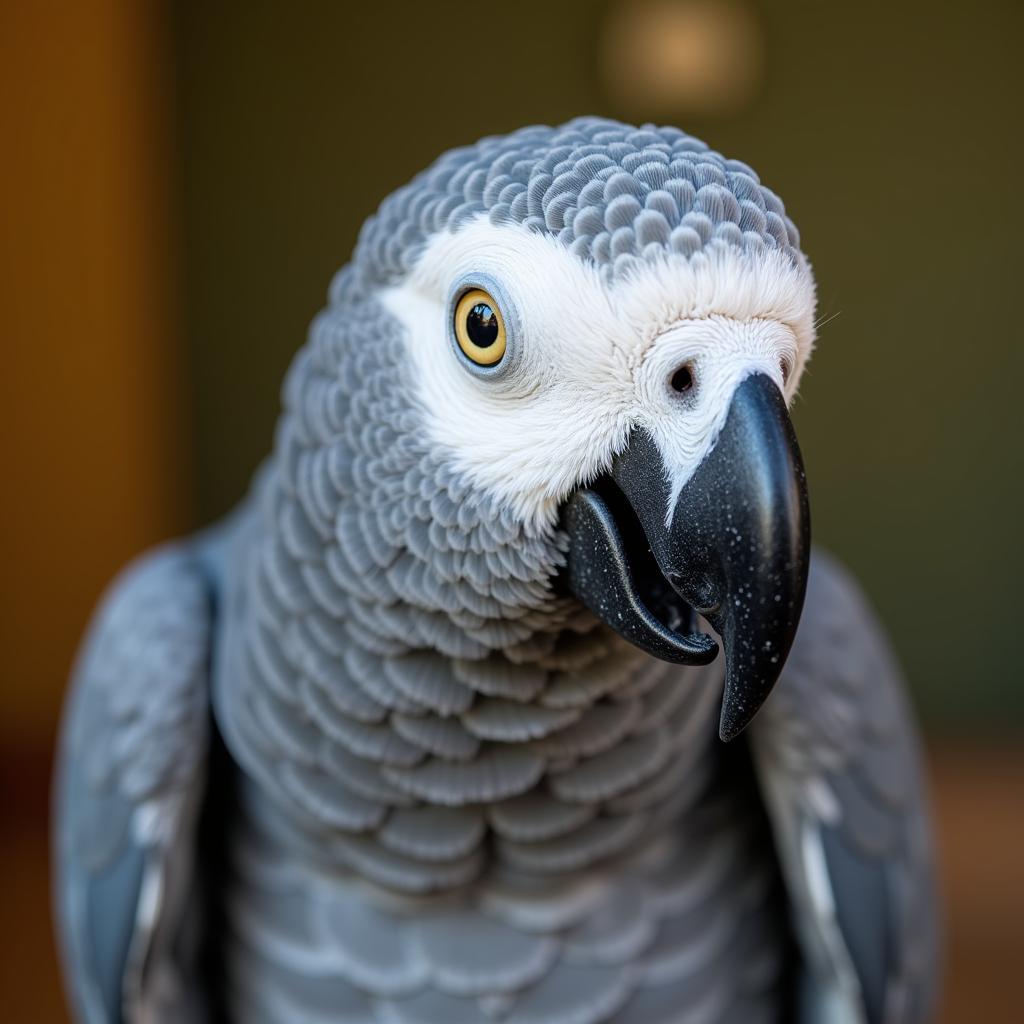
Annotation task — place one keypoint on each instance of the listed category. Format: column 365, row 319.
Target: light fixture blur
column 665, row 58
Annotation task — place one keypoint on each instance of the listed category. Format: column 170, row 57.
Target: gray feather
column 124, row 826
column 841, row 771
column 458, row 797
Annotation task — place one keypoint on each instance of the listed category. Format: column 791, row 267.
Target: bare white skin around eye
column 594, row 359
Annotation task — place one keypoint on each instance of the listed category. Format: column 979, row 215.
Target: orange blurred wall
column 90, row 390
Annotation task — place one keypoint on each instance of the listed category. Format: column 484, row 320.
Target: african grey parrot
column 429, row 731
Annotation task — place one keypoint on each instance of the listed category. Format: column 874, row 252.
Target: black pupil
column 482, row 325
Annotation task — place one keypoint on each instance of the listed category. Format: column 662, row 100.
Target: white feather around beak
column 596, row 357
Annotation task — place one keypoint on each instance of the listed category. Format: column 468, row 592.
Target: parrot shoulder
column 129, row 783
column 840, row 769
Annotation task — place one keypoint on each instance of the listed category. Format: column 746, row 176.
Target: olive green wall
column 892, row 131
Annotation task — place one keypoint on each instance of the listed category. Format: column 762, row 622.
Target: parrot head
column 589, row 336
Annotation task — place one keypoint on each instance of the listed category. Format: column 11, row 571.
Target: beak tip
column 735, row 718
column 730, row 725
column 745, row 691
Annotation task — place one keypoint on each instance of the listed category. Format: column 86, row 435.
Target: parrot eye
column 480, row 328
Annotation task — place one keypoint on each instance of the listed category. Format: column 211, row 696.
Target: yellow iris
column 480, row 328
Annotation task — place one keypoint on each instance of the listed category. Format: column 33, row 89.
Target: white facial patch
column 596, row 358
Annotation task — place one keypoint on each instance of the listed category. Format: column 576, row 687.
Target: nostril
column 682, row 379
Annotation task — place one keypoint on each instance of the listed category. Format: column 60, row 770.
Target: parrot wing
column 839, row 766
column 129, row 782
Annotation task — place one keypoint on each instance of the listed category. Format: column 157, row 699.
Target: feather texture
column 457, row 796
column 850, row 812
column 125, row 826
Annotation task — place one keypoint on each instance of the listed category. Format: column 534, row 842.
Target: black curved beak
column 735, row 549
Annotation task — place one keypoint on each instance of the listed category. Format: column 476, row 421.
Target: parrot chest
column 423, row 839
column 688, row 924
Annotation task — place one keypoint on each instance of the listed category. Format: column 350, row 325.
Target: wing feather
column 839, row 765
column 129, row 782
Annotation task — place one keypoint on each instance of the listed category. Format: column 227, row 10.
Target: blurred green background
column 892, row 132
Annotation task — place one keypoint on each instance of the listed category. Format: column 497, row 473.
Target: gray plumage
column 449, row 793
column 609, row 192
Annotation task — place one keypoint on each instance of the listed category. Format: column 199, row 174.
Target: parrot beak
column 735, row 549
